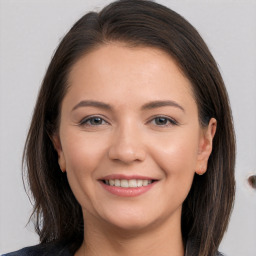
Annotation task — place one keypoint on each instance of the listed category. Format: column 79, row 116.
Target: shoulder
column 41, row 250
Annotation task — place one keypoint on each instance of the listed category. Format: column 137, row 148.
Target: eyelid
column 87, row 118
column 170, row 119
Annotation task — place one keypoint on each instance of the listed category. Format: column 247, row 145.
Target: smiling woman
column 120, row 140
column 131, row 146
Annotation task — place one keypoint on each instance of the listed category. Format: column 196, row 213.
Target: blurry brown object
column 252, row 181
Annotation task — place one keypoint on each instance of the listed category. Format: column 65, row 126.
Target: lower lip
column 127, row 192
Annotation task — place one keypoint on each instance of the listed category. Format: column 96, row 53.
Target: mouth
column 127, row 186
column 128, row 183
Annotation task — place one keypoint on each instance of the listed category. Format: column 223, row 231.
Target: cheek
column 82, row 153
column 82, row 159
column 176, row 155
column 176, row 158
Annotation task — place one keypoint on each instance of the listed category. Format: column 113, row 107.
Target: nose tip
column 127, row 146
column 126, row 153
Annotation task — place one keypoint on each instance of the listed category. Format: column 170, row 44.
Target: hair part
column 207, row 208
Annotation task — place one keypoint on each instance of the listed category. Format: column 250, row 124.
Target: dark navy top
column 57, row 250
column 41, row 250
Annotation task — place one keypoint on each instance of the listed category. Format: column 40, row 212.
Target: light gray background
column 29, row 33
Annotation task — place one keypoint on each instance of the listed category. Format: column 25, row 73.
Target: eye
column 163, row 121
column 93, row 121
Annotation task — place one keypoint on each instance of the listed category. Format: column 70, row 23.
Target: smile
column 127, row 186
column 132, row 183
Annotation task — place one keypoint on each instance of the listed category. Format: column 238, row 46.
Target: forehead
column 117, row 71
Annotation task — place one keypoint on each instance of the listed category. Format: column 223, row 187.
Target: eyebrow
column 150, row 105
column 92, row 103
column 160, row 103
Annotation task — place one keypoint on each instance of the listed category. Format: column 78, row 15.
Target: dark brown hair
column 207, row 208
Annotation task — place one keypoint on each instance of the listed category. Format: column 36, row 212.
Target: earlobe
column 205, row 146
column 57, row 145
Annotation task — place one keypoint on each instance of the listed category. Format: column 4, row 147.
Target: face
column 129, row 137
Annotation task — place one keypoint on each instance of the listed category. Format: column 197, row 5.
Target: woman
column 131, row 148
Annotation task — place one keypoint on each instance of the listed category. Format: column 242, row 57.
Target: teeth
column 117, row 183
column 124, row 183
column 133, row 183
column 139, row 183
column 145, row 182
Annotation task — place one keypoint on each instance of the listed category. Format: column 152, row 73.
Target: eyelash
column 171, row 121
column 85, row 121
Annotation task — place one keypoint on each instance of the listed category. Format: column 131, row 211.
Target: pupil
column 96, row 120
column 161, row 120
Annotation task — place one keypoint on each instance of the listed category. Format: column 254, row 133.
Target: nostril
column 126, row 153
column 252, row 181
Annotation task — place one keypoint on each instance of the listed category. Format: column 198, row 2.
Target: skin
column 129, row 140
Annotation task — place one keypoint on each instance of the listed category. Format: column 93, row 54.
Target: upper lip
column 126, row 177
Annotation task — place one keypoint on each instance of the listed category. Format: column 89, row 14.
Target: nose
column 127, row 146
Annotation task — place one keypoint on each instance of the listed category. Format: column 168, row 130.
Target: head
column 134, row 24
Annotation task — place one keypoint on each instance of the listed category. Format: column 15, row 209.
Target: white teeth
column 124, row 183
column 145, row 182
column 133, row 183
column 139, row 183
column 117, row 183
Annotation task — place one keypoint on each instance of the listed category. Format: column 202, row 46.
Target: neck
column 160, row 239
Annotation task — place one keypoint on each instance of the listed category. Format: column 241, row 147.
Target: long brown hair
column 207, row 208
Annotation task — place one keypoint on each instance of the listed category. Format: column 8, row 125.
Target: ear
column 57, row 145
column 205, row 146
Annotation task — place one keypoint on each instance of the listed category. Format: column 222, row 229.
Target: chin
column 131, row 226
column 128, row 219
column 132, row 220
